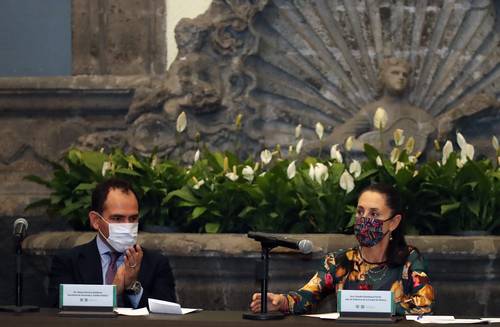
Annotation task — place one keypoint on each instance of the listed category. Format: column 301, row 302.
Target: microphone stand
column 263, row 275
column 19, row 307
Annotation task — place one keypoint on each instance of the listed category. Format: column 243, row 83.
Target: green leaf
column 184, row 194
column 198, row 211
column 212, row 228
column 127, row 171
column 86, row 186
column 446, row 208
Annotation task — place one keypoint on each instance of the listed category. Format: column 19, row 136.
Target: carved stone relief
column 280, row 63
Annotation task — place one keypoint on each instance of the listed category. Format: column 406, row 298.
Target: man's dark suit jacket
column 82, row 265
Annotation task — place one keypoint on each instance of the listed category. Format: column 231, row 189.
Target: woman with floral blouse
column 381, row 261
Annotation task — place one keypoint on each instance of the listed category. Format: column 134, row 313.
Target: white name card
column 91, row 296
column 365, row 301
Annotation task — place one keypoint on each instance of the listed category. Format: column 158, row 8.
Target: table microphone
column 304, row 246
column 20, row 228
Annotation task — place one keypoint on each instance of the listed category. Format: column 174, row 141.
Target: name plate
column 354, row 301
column 87, row 297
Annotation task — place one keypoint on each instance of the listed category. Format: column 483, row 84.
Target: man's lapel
column 89, row 263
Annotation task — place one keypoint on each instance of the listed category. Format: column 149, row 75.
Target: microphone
column 304, row 246
column 20, row 227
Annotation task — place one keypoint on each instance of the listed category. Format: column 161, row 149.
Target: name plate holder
column 366, row 306
column 82, row 300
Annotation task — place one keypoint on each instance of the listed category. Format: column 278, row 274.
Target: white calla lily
column 198, row 184
column 311, row 172
column 181, row 122
column 395, row 155
column 399, row 138
column 349, row 143
column 319, row 130
column 447, row 150
column 461, row 141
column 197, row 155
column 154, row 162
column 248, row 173
column 379, row 162
column 494, row 142
column 399, row 165
column 355, row 168
column 298, row 147
column 266, row 156
column 380, row 118
column 106, row 166
column 335, row 154
column 232, row 176
column 320, row 172
column 468, row 152
column 291, row 170
column 298, row 131
column 346, row 182
column 410, row 145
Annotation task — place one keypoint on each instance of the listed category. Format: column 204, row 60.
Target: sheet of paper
column 442, row 320
column 132, row 312
column 491, row 320
column 332, row 315
column 159, row 306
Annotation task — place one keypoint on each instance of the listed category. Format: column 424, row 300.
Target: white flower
column 335, row 154
column 468, row 152
column 290, row 149
column 498, row 160
column 197, row 155
column 348, row 143
column 394, row 155
column 106, row 165
column 355, row 168
column 248, row 173
column 399, row 138
column 311, row 172
column 380, row 118
column 410, row 145
column 181, row 122
column 346, row 182
column 320, row 172
column 198, row 184
column 266, row 156
column 378, row 160
column 412, row 159
column 154, row 162
column 461, row 141
column 291, row 170
column 447, row 150
column 319, row 130
column 298, row 131
column 494, row 142
column 460, row 162
column 415, row 173
column 399, row 165
column 298, row 147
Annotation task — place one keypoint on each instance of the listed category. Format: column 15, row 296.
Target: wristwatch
column 134, row 288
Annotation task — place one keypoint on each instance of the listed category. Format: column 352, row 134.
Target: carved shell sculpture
column 285, row 62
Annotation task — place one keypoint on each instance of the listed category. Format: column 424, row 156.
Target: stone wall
column 216, row 272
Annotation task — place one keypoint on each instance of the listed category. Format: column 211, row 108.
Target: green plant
column 221, row 193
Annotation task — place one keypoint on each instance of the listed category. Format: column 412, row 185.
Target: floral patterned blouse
column 413, row 293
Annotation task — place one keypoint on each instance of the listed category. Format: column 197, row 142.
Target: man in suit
column 113, row 256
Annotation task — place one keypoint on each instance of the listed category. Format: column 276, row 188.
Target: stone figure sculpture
column 282, row 63
column 401, row 114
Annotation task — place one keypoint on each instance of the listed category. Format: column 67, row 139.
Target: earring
column 390, row 236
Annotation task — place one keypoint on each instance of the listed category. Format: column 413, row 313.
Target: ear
column 395, row 222
column 94, row 220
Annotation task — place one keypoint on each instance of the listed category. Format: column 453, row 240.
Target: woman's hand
column 275, row 302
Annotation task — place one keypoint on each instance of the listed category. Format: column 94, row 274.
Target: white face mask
column 121, row 235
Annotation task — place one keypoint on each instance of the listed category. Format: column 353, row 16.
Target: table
column 49, row 317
